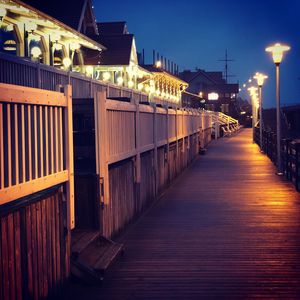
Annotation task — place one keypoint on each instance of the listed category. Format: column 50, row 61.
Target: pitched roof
column 154, row 69
column 118, row 49
column 68, row 12
column 112, row 28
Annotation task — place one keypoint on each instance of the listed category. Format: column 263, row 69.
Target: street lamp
column 260, row 78
column 277, row 51
column 252, row 91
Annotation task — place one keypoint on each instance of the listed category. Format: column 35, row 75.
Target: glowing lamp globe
column 120, row 80
column 67, row 62
column 36, row 52
column 260, row 78
column 277, row 51
column 158, row 64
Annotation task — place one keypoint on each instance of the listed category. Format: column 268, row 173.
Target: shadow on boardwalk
column 228, row 228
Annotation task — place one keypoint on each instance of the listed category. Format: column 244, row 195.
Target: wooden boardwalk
column 228, row 228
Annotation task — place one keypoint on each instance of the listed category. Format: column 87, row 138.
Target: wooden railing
column 149, row 145
column 22, row 71
column 36, row 148
column 290, row 154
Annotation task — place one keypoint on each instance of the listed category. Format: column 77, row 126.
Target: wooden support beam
column 103, row 146
column 69, row 157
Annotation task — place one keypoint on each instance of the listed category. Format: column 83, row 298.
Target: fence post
column 69, row 156
column 155, row 148
column 168, row 143
column 138, row 153
column 102, row 147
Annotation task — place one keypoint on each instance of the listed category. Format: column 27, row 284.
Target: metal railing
column 290, row 154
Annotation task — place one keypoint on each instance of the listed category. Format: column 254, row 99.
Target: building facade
column 210, row 91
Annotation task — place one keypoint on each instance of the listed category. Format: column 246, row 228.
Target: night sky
column 196, row 34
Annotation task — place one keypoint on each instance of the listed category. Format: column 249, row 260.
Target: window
column 8, row 43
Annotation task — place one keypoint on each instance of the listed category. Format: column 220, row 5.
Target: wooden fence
column 22, row 71
column 290, row 154
column 141, row 149
column 36, row 154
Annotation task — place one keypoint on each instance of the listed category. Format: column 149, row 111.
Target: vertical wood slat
column 47, row 140
column 35, row 122
column 41, row 142
column 4, row 253
column 51, row 142
column 11, row 256
column 30, row 279
column 23, row 143
column 1, row 148
column 17, row 241
column 56, row 139
column 9, row 171
column 29, row 143
column 61, row 153
column 69, row 158
column 16, row 144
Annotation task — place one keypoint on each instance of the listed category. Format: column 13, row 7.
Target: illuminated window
column 213, row 96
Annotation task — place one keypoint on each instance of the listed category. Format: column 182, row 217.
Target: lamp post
column 252, row 90
column 260, row 78
column 277, row 51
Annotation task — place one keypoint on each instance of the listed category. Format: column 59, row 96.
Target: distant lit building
column 210, row 91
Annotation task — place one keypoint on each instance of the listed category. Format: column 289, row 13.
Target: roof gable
column 119, row 49
column 112, row 28
column 76, row 13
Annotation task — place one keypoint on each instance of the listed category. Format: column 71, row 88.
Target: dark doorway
column 86, row 179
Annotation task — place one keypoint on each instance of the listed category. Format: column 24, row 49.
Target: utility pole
column 226, row 60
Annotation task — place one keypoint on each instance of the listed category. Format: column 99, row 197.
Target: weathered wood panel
column 147, row 185
column 122, row 205
column 162, row 168
column 34, row 243
column 146, row 129
column 121, row 132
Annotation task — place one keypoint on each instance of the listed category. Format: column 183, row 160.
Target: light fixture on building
column 158, row 64
column 147, row 88
column 213, row 96
column 201, row 94
column 36, row 52
column 67, row 62
column 140, row 86
column 89, row 70
column 120, row 80
column 130, row 83
column 106, row 76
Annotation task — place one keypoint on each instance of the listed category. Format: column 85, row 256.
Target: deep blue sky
column 196, row 33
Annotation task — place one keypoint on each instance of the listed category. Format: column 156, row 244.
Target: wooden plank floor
column 229, row 228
